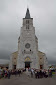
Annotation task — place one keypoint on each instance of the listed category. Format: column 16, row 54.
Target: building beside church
column 28, row 54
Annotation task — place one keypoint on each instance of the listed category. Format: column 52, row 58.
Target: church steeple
column 27, row 14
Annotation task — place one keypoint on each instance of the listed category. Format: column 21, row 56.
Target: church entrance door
column 27, row 64
column 41, row 66
column 14, row 66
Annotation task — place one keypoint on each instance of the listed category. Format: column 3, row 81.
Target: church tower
column 28, row 47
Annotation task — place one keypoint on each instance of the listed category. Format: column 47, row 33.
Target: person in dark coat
column 50, row 73
column 9, row 74
column 15, row 72
column 37, row 74
column 31, row 74
column 40, row 73
column 19, row 72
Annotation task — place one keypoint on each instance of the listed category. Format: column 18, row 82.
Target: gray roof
column 27, row 14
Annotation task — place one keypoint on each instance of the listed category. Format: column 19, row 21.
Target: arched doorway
column 27, row 62
column 14, row 66
column 41, row 66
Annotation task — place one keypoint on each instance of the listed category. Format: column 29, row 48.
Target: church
column 28, row 54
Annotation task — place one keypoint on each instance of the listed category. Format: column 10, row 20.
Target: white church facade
column 28, row 54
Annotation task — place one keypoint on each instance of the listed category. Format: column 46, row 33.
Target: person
column 15, row 72
column 19, row 72
column 46, row 74
column 40, row 74
column 50, row 73
column 32, row 72
column 5, row 74
column 35, row 74
column 9, row 74
column 29, row 69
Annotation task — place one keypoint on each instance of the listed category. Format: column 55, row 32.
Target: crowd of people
column 41, row 73
column 36, row 73
column 7, row 73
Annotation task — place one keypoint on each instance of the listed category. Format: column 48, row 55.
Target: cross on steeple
column 27, row 14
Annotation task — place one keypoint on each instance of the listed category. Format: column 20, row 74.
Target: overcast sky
column 43, row 13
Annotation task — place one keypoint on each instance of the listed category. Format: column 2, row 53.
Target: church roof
column 27, row 14
column 39, row 52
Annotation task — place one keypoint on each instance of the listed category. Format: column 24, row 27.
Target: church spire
column 27, row 14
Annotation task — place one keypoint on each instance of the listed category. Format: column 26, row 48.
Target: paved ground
column 25, row 80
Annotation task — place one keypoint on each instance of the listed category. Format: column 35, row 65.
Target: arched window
column 28, row 26
column 27, row 21
column 30, row 49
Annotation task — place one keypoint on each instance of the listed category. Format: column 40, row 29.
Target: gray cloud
column 44, row 16
column 3, row 61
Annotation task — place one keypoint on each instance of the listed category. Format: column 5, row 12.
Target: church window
column 27, row 59
column 30, row 49
column 24, row 51
column 28, row 26
column 27, row 21
column 14, row 58
column 27, row 45
column 40, row 58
